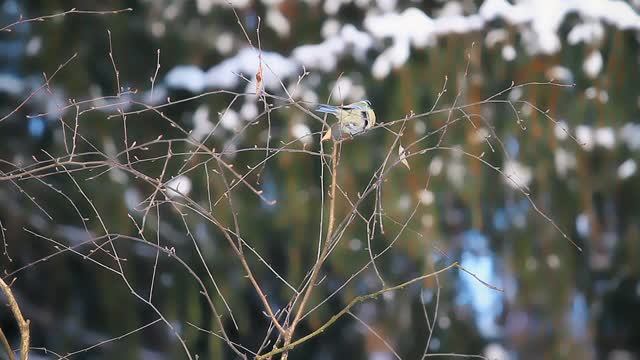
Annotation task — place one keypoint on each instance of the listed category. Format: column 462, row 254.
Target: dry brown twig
column 23, row 324
column 6, row 345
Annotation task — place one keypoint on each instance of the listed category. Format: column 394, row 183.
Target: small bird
column 353, row 119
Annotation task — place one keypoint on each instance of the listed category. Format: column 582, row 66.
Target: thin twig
column 6, row 345
column 7, row 28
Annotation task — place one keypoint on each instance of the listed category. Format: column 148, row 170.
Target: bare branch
column 23, row 324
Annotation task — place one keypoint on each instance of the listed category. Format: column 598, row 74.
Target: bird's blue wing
column 327, row 109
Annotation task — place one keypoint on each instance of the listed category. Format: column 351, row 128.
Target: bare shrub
column 191, row 192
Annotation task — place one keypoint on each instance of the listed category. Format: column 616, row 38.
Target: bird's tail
column 327, row 109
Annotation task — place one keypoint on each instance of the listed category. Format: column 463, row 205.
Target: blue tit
column 353, row 119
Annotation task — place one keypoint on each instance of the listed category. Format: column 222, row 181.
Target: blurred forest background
column 566, row 146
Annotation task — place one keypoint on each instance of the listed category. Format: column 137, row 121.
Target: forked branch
column 347, row 308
